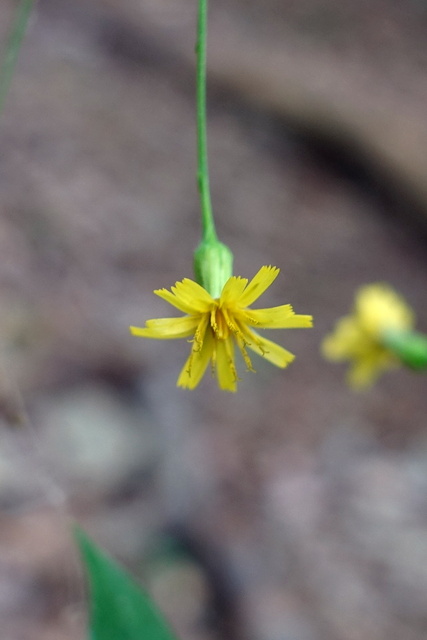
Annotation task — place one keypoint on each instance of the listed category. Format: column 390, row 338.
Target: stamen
column 252, row 320
column 213, row 363
column 214, row 323
column 233, row 369
column 197, row 340
column 240, row 339
column 230, row 359
column 190, row 364
column 233, row 327
column 250, row 338
column 242, row 346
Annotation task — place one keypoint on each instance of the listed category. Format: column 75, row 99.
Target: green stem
column 208, row 224
column 409, row 346
column 13, row 46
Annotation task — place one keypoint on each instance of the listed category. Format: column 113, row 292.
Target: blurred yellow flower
column 378, row 309
column 217, row 324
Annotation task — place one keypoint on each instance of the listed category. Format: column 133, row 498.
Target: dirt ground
column 295, row 509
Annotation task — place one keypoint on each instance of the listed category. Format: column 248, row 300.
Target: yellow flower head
column 218, row 324
column 378, row 309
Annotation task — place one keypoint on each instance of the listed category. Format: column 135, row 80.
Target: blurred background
column 294, row 509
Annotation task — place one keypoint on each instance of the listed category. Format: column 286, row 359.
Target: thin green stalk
column 13, row 46
column 208, row 224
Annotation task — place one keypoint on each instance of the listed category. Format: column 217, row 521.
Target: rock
column 93, row 438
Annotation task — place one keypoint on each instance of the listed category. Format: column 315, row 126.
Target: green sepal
column 119, row 607
column 410, row 347
column 213, row 266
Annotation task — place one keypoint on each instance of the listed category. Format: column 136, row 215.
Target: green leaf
column 13, row 47
column 119, row 608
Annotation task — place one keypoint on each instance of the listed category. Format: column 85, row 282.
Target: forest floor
column 295, row 509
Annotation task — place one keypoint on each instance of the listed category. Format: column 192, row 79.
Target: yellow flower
column 378, row 309
column 217, row 324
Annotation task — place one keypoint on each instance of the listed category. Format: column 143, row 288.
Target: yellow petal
column 366, row 369
column 192, row 294
column 282, row 317
column 232, row 290
column 175, row 301
column 187, row 296
column 363, row 373
column 167, row 328
column 225, row 367
column 379, row 307
column 269, row 350
column 196, row 363
column 347, row 341
column 259, row 283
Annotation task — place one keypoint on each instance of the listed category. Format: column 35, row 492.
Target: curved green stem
column 13, row 46
column 208, row 224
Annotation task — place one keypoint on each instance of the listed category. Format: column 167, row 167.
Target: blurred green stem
column 409, row 346
column 208, row 224
column 13, row 46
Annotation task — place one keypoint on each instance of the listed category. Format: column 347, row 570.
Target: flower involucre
column 378, row 309
column 218, row 324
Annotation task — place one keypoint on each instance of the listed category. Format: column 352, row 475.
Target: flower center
column 219, row 323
